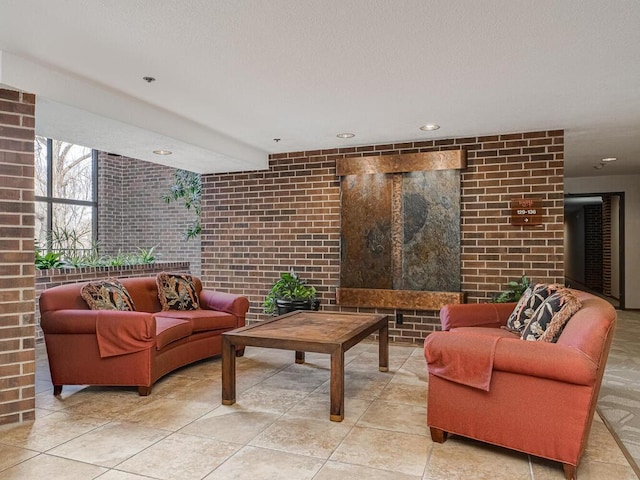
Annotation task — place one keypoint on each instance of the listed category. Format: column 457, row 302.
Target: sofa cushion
column 177, row 292
column 171, row 329
column 531, row 299
column 202, row 319
column 107, row 294
column 551, row 316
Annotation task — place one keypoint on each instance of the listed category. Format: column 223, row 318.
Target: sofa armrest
column 475, row 315
column 224, row 302
column 545, row 360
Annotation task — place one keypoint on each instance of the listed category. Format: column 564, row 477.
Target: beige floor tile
column 416, row 367
column 396, row 418
column 47, row 432
column 601, row 446
column 367, row 386
column 106, row 403
column 167, row 413
column 342, row 471
column 317, row 405
column 111, row 444
column 304, row 378
column 203, row 391
column 463, row 458
column 231, row 424
column 371, row 362
column 264, row 399
column 51, row 468
column 252, row 463
column 118, row 475
column 68, row 397
column 303, row 436
column 405, row 393
column 180, row 457
column 10, row 456
column 384, row 450
column 587, row 470
column 172, row 383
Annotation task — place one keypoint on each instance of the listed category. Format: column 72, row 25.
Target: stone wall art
column 400, row 230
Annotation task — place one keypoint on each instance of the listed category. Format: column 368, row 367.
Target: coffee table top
column 309, row 330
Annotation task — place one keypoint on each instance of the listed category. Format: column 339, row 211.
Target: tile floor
column 278, row 429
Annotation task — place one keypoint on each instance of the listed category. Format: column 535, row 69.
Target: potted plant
column 514, row 291
column 290, row 293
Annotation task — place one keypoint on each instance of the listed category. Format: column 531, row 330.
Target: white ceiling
column 233, row 75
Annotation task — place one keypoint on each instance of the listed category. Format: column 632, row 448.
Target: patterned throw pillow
column 531, row 299
column 177, row 292
column 548, row 321
column 107, row 295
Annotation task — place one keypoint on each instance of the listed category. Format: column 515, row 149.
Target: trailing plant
column 188, row 187
column 514, row 291
column 288, row 287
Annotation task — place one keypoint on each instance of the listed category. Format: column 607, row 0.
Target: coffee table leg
column 336, row 414
column 228, row 372
column 299, row 357
column 383, row 342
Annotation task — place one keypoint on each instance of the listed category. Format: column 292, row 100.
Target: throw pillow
column 177, row 292
column 107, row 295
column 548, row 321
column 531, row 299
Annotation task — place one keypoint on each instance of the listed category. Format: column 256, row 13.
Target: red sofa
column 534, row 397
column 108, row 347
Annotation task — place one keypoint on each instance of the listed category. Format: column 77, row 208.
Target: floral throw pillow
column 107, row 295
column 177, row 292
column 548, row 321
column 531, row 299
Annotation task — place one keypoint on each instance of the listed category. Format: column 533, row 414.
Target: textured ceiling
column 232, row 75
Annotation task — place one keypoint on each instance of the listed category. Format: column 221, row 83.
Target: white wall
column 630, row 185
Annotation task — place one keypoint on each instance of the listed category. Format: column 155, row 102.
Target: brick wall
column 258, row 224
column 132, row 214
column 593, row 247
column 17, row 354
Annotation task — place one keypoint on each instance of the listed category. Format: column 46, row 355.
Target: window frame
column 50, row 200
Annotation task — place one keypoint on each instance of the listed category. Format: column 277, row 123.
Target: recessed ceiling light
column 346, row 135
column 429, row 127
column 162, row 152
column 609, row 159
column 599, row 166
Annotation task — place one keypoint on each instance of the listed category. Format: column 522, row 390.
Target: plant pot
column 286, row 306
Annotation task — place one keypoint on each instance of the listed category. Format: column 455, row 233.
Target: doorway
column 594, row 244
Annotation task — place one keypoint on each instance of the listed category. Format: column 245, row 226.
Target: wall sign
column 526, row 211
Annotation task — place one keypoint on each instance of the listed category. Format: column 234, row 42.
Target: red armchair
column 534, row 397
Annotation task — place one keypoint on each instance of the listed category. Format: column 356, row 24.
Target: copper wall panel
column 408, row 162
column 366, row 231
column 400, row 299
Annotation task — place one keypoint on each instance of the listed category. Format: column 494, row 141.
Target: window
column 66, row 195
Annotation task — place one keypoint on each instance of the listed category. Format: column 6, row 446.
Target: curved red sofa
column 116, row 348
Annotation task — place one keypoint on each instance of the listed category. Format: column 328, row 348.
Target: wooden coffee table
column 307, row 331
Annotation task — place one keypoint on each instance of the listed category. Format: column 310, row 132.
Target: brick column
column 17, row 333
